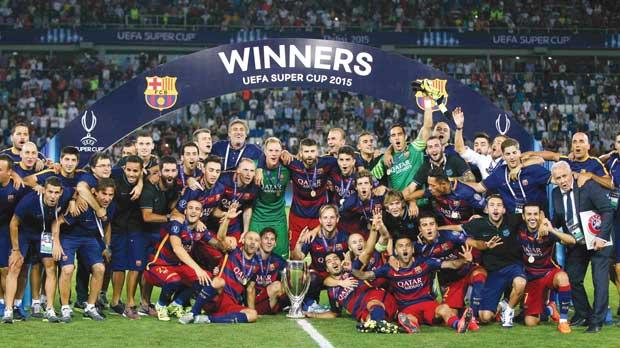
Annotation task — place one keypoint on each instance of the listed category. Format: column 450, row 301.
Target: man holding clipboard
column 572, row 204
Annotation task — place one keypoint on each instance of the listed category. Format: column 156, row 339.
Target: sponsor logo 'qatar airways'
column 292, row 56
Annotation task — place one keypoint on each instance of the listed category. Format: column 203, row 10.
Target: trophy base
column 295, row 312
column 295, row 316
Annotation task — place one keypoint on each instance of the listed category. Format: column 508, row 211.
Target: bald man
column 580, row 161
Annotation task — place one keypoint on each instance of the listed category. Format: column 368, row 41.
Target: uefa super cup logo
column 89, row 140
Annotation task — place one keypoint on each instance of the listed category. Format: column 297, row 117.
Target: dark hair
column 214, row 159
column 129, row 143
column 433, row 137
column 531, row 204
column 53, row 181
column 364, row 174
column 508, row 143
column 19, row 124
column 438, row 174
column 307, row 142
column 97, row 157
column 397, row 125
column 104, row 183
column 347, row 150
column 333, row 253
column 495, row 195
column 482, row 135
column 70, row 150
column 425, row 214
column 168, row 160
column 134, row 159
column 268, row 230
column 186, row 145
column 8, row 160
column 143, row 134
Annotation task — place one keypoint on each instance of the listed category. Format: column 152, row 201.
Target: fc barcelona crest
column 435, row 90
column 161, row 92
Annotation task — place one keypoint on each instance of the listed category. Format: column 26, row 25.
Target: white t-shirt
column 485, row 163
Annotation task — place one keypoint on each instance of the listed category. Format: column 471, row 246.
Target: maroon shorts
column 536, row 292
column 296, row 224
column 157, row 275
column 262, row 303
column 424, row 312
column 206, row 255
column 389, row 304
column 454, row 293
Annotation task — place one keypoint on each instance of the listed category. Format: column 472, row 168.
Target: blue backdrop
column 304, row 63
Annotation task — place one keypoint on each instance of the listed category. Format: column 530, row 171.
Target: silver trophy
column 296, row 281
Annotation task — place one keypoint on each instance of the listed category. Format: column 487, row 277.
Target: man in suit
column 568, row 201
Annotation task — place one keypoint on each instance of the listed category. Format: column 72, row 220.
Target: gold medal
column 244, row 282
column 389, row 171
column 278, row 193
column 313, row 193
column 530, row 259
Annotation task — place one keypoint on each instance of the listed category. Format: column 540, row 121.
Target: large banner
column 418, row 38
column 304, row 63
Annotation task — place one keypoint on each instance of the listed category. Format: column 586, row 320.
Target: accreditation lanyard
column 313, row 182
column 512, row 192
column 43, row 213
column 99, row 224
column 238, row 157
column 611, row 170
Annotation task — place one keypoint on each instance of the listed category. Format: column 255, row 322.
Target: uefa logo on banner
column 89, row 140
column 161, row 92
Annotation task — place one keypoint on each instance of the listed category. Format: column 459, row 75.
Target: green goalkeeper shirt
column 269, row 206
column 404, row 167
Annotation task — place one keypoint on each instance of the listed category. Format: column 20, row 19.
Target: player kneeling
column 374, row 308
column 173, row 269
column 239, row 269
column 538, row 238
column 268, row 288
column 412, row 283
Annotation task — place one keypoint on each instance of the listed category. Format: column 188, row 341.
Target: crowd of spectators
column 552, row 98
column 366, row 15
